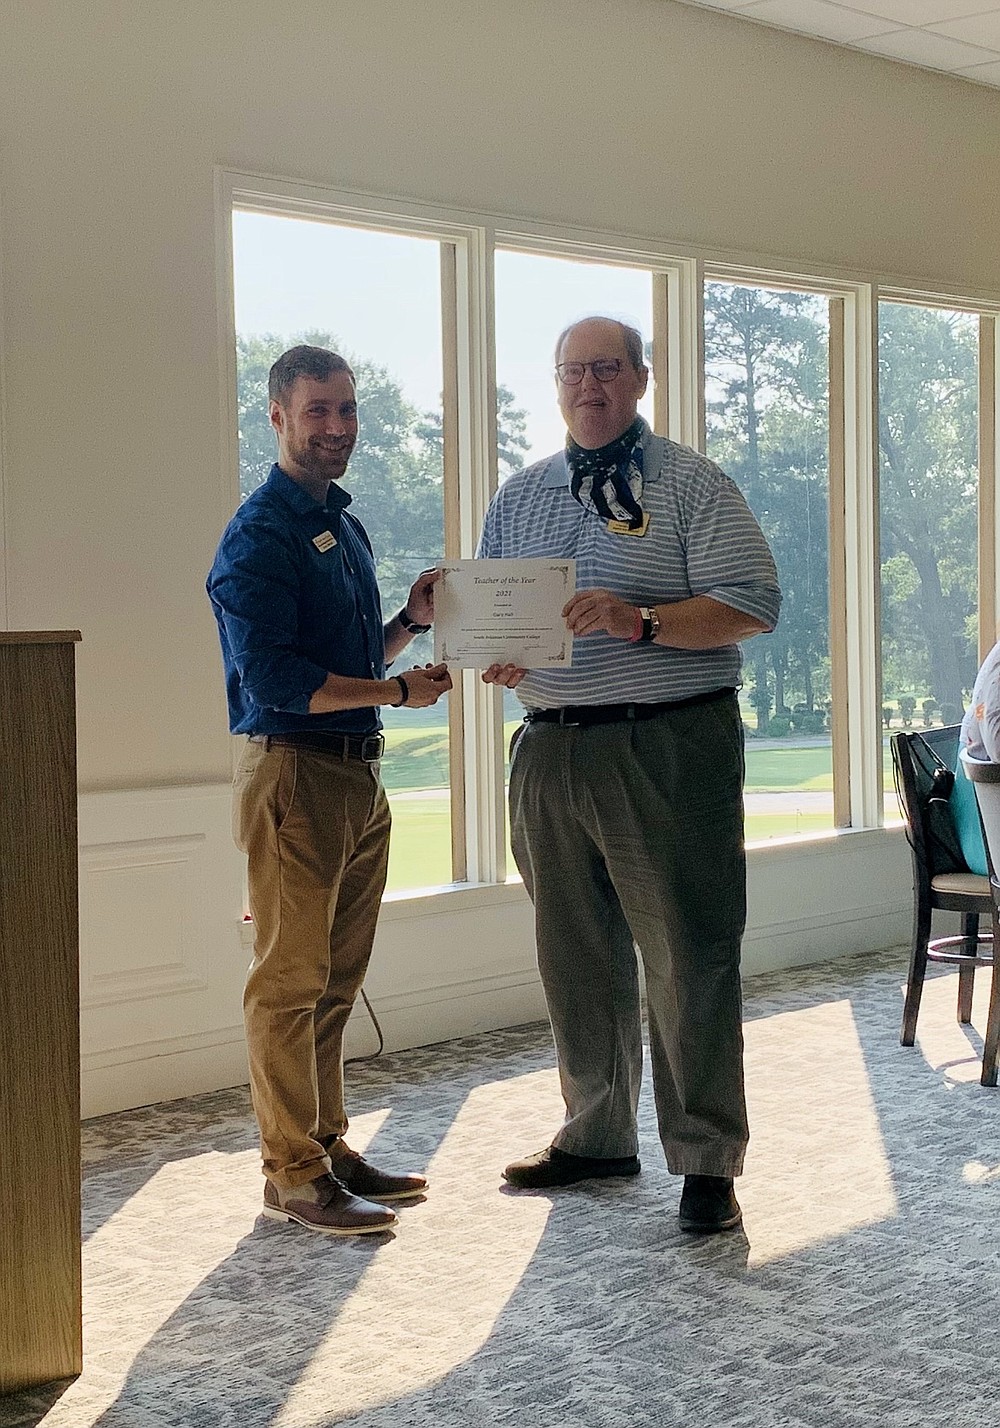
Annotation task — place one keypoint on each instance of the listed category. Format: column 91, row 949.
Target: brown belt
column 584, row 714
column 368, row 747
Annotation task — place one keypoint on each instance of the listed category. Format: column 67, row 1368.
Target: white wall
column 644, row 117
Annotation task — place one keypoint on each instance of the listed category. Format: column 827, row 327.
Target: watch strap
column 650, row 624
column 410, row 626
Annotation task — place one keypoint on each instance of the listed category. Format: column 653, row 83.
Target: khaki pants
column 315, row 828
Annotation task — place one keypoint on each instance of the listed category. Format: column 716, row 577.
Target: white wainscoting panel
column 161, row 958
column 152, row 885
column 816, row 898
column 164, row 948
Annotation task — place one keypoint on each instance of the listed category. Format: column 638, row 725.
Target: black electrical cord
column 370, row 1055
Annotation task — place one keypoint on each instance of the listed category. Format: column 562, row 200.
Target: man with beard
column 627, row 778
column 305, row 650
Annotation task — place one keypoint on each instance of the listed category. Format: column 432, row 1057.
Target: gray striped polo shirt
column 701, row 540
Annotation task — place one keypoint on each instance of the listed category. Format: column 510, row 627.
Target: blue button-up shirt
column 294, row 593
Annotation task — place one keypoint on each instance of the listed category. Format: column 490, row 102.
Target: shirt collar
column 556, row 472
column 300, row 501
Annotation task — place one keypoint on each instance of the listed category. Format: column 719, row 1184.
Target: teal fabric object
column 965, row 812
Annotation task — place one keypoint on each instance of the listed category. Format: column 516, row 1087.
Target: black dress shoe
column 708, row 1205
column 557, row 1167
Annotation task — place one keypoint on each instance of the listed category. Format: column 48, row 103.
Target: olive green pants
column 315, row 828
column 632, row 833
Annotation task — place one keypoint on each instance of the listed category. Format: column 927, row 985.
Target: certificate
column 503, row 612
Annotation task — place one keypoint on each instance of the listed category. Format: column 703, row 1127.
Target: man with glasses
column 627, row 778
column 305, row 649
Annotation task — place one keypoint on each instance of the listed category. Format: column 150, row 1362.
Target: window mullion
column 481, row 706
column 686, row 361
column 988, row 534
column 661, row 362
column 451, row 464
column 861, row 541
column 839, row 675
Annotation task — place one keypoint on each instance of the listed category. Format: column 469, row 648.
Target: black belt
column 583, row 714
column 368, row 747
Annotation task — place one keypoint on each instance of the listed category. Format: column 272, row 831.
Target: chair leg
column 967, row 975
column 966, row 982
column 991, row 1043
column 918, row 966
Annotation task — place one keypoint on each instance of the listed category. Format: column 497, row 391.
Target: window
column 538, row 295
column 767, row 372
column 374, row 296
column 928, row 381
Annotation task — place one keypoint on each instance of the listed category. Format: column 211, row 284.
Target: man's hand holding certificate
column 503, row 612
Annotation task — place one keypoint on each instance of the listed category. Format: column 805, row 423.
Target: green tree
column 511, row 440
column 766, row 416
column 928, row 440
column 766, row 409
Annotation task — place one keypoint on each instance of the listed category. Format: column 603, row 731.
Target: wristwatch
column 410, row 626
column 650, row 624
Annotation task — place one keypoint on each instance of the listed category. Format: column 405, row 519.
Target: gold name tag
column 623, row 527
column 324, row 541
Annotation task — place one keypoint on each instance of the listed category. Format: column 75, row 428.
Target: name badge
column 324, row 541
column 623, row 527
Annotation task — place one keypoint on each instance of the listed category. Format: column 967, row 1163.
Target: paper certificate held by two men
column 503, row 612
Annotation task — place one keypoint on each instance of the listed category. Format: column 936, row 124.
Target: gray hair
column 632, row 337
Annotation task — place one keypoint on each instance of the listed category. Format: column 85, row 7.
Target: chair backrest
column 930, row 825
column 985, row 779
column 968, row 821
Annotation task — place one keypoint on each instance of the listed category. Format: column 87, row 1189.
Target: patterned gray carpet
column 865, row 1289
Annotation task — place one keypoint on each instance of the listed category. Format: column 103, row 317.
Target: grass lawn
column 770, row 770
column 422, row 827
column 418, row 758
column 415, row 758
column 420, row 851
column 421, row 843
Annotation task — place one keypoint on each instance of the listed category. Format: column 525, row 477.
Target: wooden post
column 40, row 1300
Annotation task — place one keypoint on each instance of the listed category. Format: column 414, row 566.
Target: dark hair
column 631, row 335
column 303, row 361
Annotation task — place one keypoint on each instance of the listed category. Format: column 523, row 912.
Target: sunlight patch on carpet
column 438, row 1288
column 817, row 1166
column 168, row 1237
column 949, row 1048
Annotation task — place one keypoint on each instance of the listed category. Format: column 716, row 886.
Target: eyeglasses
column 605, row 369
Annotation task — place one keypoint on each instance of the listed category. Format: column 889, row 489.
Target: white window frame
column 988, row 549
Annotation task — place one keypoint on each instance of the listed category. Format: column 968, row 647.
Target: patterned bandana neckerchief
column 613, row 474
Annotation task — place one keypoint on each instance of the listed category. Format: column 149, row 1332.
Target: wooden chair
column 985, row 779
column 940, row 880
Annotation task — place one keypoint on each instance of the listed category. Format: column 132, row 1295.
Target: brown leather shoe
column 327, row 1206
column 362, row 1178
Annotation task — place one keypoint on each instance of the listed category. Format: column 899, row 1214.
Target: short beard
column 316, row 463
